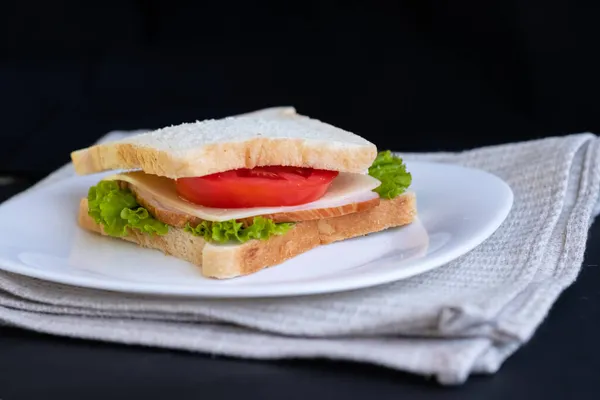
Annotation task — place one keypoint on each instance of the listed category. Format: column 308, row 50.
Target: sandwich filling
column 241, row 205
column 269, row 186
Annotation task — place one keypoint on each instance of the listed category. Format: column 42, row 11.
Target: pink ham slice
column 179, row 219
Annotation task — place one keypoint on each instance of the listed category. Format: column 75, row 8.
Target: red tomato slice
column 271, row 186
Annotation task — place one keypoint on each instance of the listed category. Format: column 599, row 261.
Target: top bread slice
column 272, row 136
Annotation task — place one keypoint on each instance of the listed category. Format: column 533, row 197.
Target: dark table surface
column 561, row 361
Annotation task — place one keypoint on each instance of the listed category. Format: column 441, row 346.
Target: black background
column 408, row 75
column 414, row 75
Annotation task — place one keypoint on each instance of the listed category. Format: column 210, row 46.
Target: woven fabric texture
column 464, row 318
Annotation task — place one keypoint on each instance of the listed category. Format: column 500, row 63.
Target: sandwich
column 239, row 194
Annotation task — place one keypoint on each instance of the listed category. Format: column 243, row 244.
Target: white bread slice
column 229, row 261
column 272, row 136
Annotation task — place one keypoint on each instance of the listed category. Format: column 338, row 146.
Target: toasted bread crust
column 229, row 261
column 344, row 153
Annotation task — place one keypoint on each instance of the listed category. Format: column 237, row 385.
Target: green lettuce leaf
column 117, row 210
column 391, row 171
column 226, row 231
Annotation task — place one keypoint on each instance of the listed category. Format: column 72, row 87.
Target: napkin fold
column 463, row 318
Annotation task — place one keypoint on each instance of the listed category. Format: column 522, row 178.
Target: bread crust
column 347, row 153
column 229, row 261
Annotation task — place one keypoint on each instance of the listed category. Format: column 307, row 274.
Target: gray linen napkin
column 463, row 318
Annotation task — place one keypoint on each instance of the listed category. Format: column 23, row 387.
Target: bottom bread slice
column 232, row 260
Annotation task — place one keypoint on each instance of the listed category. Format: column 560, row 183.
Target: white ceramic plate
column 458, row 209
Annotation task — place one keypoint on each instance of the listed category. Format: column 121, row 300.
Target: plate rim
column 341, row 284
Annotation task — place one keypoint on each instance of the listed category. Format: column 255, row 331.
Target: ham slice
column 348, row 193
column 180, row 219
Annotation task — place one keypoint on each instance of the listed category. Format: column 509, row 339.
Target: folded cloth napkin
column 464, row 318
